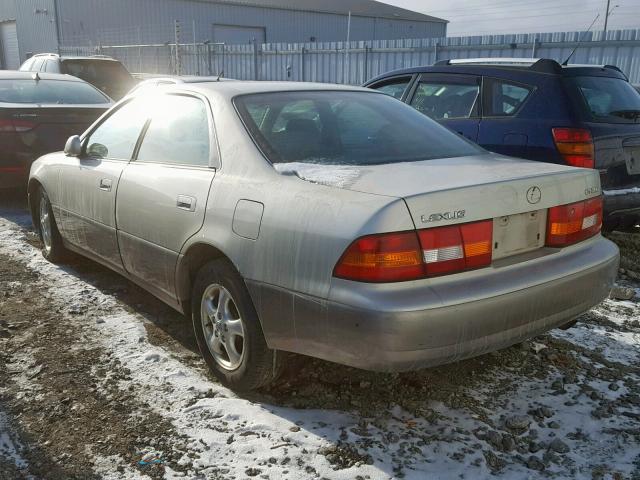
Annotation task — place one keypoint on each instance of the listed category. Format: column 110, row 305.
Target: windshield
column 49, row 92
column 345, row 128
column 609, row 99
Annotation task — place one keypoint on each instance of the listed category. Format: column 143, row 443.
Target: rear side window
column 442, row 99
column 178, row 133
column 51, row 66
column 504, row 99
column 116, row 137
column 609, row 99
column 345, row 128
column 50, row 92
column 394, row 88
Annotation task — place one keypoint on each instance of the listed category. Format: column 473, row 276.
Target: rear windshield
column 345, row 128
column 609, row 99
column 98, row 71
column 49, row 92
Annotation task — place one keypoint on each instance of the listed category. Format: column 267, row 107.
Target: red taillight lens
column 456, row 248
column 19, row 126
column 569, row 224
column 390, row 257
column 575, row 145
column 394, row 257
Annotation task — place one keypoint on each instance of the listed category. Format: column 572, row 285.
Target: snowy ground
column 100, row 380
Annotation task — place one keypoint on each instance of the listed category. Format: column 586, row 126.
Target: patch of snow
column 331, row 175
column 623, row 191
column 9, row 446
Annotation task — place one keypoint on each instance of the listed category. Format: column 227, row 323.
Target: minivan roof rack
column 536, row 64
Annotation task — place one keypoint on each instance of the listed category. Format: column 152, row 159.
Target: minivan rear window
column 50, row 92
column 345, row 128
column 609, row 99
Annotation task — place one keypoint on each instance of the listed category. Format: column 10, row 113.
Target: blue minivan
column 581, row 115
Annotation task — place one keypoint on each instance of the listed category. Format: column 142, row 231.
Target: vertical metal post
column 209, row 66
column 256, row 75
column 178, row 66
column 346, row 72
column 435, row 52
column 303, row 66
column 606, row 19
column 534, row 50
column 366, row 63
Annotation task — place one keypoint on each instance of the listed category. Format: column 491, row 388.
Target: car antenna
column 35, row 76
column 220, row 75
column 566, row 62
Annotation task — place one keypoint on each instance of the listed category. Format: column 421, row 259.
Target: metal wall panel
column 117, row 22
column 37, row 31
column 7, row 10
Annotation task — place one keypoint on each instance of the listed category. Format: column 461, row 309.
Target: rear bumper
column 425, row 323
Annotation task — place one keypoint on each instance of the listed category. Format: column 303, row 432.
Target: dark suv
column 105, row 73
column 580, row 115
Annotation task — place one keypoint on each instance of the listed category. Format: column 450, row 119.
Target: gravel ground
column 100, row 380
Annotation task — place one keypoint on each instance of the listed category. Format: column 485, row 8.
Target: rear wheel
column 53, row 248
column 228, row 331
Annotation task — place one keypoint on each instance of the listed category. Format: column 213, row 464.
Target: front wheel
column 228, row 330
column 53, row 248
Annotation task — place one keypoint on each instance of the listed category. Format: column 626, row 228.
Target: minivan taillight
column 572, row 223
column 575, row 145
column 402, row 256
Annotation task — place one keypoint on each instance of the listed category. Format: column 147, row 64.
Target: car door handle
column 186, row 202
column 105, row 184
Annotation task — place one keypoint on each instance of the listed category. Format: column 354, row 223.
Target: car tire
column 53, row 248
column 228, row 330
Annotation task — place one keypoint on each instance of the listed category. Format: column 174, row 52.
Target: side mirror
column 73, row 147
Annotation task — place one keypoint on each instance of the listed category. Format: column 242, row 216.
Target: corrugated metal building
column 32, row 26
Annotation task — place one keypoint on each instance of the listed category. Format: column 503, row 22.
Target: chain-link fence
column 356, row 62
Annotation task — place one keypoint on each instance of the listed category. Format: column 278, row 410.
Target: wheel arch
column 189, row 263
column 34, row 200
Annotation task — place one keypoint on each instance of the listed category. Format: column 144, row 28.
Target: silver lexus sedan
column 329, row 221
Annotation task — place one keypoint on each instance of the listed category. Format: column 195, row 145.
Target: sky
column 485, row 17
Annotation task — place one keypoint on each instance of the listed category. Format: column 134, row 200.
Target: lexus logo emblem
column 534, row 195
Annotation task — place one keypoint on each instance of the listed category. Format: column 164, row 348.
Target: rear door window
column 394, row 88
column 447, row 96
column 51, row 66
column 504, row 99
column 609, row 99
column 178, row 133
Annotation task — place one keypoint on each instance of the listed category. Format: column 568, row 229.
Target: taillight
column 569, row 224
column 575, row 145
column 389, row 257
column 395, row 257
column 13, row 126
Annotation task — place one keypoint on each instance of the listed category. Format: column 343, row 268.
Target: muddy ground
column 79, row 399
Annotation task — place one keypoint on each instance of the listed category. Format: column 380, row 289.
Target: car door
column 163, row 193
column 502, row 130
column 88, row 183
column 451, row 99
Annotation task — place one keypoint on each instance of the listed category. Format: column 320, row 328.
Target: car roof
column 244, row 87
column 498, row 66
column 184, row 79
column 20, row 75
column 78, row 57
